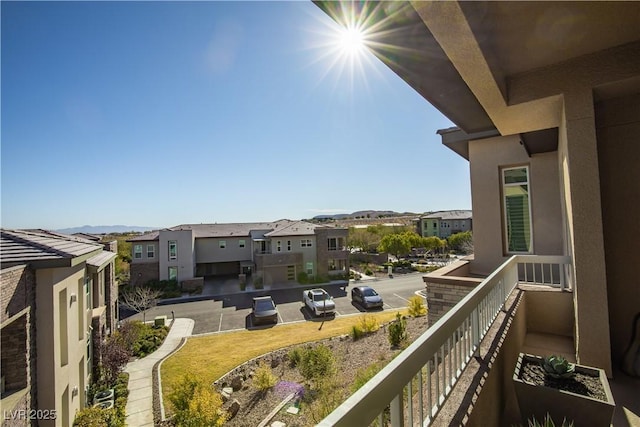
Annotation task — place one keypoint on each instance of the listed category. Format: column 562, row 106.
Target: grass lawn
column 210, row 357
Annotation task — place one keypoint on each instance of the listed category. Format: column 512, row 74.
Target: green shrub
column 295, row 355
column 416, row 306
column 317, row 363
column 329, row 395
column 196, row 404
column 264, row 379
column 368, row 324
column 548, row 422
column 303, row 278
column 356, row 332
column 365, row 374
column 398, row 331
column 368, row 272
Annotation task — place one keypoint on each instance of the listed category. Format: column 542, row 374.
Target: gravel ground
column 582, row 384
column 351, row 356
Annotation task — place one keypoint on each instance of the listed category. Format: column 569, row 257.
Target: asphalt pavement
column 232, row 312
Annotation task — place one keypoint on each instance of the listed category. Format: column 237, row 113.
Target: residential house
column 443, row 224
column 545, row 97
column 275, row 251
column 58, row 296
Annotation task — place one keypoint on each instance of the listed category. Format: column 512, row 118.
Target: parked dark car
column 366, row 296
column 263, row 310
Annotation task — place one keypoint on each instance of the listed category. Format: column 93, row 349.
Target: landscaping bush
column 140, row 338
column 417, row 307
column 365, row 374
column 329, row 395
column 196, row 404
column 303, row 278
column 317, row 363
column 356, row 332
column 398, row 331
column 368, row 324
column 264, row 379
column 295, row 356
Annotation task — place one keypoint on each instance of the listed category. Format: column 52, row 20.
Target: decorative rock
column 278, row 424
column 233, row 408
column 293, row 410
column 227, row 390
column 275, row 362
column 236, row 383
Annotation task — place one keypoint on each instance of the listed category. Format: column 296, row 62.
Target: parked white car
column 319, row 302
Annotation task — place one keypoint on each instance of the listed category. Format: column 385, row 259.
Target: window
column 309, row 268
column 335, row 243
column 241, row 243
column 517, row 210
column 289, row 245
column 173, row 273
column 435, row 224
column 137, row 251
column 173, row 249
column 151, row 251
column 278, row 246
column 222, row 244
column 305, row 243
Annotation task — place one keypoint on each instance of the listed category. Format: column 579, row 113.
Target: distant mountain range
column 363, row 214
column 105, row 229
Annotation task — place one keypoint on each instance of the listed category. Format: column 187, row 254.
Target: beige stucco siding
column 185, row 261
column 618, row 133
column 145, row 252
column 209, row 250
column 487, row 157
column 53, row 287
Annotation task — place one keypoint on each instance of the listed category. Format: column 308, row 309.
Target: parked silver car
column 263, row 310
column 318, row 301
column 366, row 296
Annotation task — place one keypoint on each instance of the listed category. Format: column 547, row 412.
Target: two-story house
column 443, row 224
column 275, row 251
column 59, row 300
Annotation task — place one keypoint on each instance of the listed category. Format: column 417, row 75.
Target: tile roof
column 448, row 215
column 283, row 227
column 22, row 246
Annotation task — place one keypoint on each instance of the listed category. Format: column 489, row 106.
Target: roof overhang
column 98, row 262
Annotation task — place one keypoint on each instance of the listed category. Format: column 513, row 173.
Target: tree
column 461, row 242
column 433, row 244
column 114, row 358
column 140, row 299
column 395, row 244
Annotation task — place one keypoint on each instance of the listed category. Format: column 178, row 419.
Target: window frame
column 173, row 256
column 137, row 254
column 173, row 268
column 222, row 244
column 241, row 243
column 505, row 228
column 306, row 243
column 152, row 253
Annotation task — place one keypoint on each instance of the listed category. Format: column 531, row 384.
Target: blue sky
column 158, row 113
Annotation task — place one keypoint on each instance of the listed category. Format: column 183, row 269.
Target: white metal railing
column 430, row 367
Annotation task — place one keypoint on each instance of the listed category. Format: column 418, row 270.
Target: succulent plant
column 558, row 367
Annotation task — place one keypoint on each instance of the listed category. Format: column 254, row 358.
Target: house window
column 517, row 210
column 335, row 243
column 137, row 251
column 435, row 224
column 173, row 273
column 305, row 243
column 309, row 268
column 151, row 251
column 222, row 244
column 241, row 243
column 288, row 245
column 173, row 249
column 278, row 246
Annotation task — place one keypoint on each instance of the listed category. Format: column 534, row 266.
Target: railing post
column 397, row 417
column 475, row 331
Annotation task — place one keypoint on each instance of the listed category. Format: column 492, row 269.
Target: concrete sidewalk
column 140, row 403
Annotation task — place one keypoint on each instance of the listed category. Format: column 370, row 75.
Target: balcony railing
column 430, row 367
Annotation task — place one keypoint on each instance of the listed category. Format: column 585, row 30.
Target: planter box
column 538, row 400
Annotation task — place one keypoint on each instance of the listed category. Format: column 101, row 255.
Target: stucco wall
column 208, row 249
column 618, row 133
column 186, row 254
column 486, row 157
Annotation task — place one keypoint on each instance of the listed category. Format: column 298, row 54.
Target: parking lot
column 234, row 311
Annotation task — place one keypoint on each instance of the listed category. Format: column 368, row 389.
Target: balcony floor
column 626, row 393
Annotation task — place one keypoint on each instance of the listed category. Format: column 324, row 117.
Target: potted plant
column 579, row 394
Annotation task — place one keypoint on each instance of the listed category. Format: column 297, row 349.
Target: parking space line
column 220, row 324
column 280, row 317
column 401, row 297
